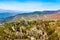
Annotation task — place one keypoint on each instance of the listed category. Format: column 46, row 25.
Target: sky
column 30, row 5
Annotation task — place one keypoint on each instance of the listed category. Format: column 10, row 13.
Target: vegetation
column 30, row 30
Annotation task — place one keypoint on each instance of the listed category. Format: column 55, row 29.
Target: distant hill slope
column 54, row 16
column 33, row 15
column 5, row 15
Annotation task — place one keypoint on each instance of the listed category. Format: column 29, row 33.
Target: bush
column 54, row 36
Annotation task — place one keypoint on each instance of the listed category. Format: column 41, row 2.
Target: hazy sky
column 30, row 5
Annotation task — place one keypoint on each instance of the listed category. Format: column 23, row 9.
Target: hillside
column 54, row 16
column 10, row 16
column 31, row 26
column 30, row 30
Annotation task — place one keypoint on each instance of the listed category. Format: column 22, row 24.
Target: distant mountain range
column 7, row 15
